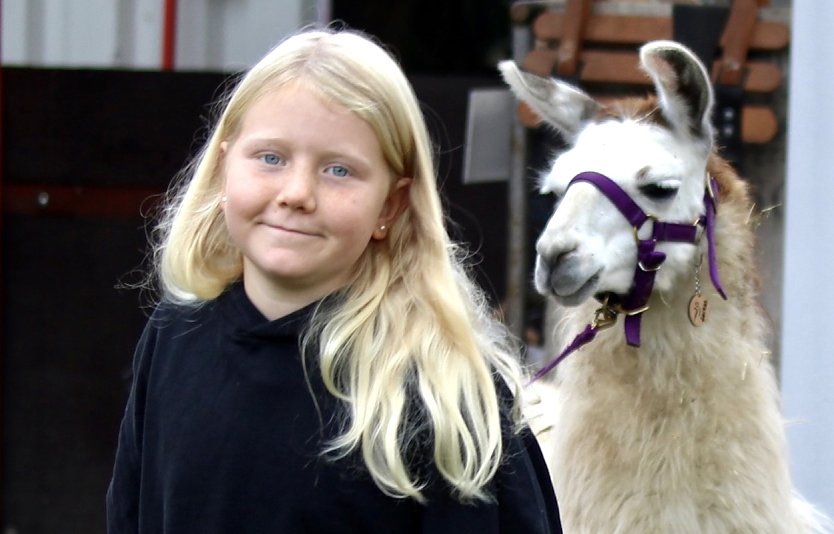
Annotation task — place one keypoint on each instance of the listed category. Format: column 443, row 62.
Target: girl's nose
column 297, row 189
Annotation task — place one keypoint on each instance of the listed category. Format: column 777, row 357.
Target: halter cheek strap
column 649, row 261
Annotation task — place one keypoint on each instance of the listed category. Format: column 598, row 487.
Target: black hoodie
column 222, row 434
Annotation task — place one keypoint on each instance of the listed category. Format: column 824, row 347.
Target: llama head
column 656, row 149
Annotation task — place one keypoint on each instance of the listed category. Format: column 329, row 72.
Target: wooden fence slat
column 635, row 30
column 758, row 124
column 623, row 68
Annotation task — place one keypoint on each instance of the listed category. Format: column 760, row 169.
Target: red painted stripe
column 81, row 201
column 169, row 34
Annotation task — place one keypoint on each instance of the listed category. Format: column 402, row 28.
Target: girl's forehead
column 295, row 90
column 286, row 105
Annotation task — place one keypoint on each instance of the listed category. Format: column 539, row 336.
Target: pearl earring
column 382, row 228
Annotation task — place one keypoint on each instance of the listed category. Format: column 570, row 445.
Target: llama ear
column 559, row 104
column 682, row 84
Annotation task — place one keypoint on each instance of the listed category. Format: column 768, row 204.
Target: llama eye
column 659, row 191
column 548, row 196
column 553, row 197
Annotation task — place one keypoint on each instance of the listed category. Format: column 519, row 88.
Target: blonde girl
column 321, row 360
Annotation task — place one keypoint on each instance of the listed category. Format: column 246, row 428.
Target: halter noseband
column 649, row 261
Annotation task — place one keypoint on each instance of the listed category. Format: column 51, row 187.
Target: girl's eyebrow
column 265, row 140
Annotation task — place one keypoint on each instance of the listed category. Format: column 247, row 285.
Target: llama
column 677, row 427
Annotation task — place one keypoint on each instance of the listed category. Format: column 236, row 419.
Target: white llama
column 674, row 426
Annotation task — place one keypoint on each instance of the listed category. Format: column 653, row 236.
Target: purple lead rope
column 586, row 336
column 711, row 202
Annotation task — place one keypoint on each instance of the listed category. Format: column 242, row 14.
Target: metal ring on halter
column 700, row 228
column 710, row 190
column 636, row 229
column 636, row 311
column 620, row 309
column 647, row 269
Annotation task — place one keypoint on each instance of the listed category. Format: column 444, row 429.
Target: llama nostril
column 563, row 272
column 560, row 257
column 563, row 257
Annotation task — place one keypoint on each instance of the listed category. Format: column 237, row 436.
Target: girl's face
column 306, row 189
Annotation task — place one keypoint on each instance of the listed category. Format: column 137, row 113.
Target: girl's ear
column 394, row 205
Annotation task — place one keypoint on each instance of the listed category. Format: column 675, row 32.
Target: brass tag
column 698, row 310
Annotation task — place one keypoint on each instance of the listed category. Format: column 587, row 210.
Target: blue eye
column 271, row 159
column 339, row 170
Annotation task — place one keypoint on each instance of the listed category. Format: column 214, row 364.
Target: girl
column 320, row 361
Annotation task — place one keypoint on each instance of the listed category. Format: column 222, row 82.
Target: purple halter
column 649, row 261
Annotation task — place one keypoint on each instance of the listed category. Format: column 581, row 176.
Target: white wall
column 235, row 34
column 808, row 291
column 39, row 32
column 223, row 35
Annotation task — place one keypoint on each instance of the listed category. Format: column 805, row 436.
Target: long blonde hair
column 412, row 329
